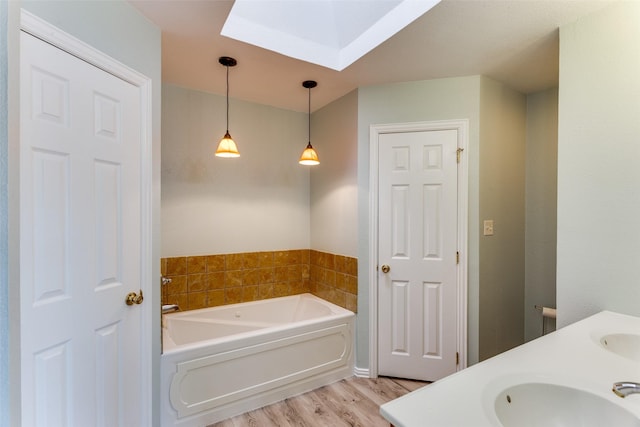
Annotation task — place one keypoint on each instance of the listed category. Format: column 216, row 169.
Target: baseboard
column 361, row 372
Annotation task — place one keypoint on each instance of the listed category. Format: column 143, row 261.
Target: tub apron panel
column 206, row 385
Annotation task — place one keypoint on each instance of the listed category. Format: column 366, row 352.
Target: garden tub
column 222, row 361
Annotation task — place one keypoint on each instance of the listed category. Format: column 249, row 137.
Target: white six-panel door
column 80, row 242
column 417, row 220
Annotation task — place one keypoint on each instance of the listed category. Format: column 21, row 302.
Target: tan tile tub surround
column 334, row 278
column 211, row 280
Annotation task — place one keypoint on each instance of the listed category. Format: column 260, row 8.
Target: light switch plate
column 488, row 227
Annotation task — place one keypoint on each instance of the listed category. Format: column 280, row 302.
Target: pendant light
column 227, row 147
column 309, row 155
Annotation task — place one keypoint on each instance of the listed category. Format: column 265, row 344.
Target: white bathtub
column 223, row 361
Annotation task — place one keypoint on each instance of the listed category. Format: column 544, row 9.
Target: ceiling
column 512, row 41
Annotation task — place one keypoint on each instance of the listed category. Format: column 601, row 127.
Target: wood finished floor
column 350, row 402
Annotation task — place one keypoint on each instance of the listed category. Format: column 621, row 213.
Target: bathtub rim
column 338, row 313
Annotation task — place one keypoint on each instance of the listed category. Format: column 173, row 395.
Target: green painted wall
column 541, row 209
column 501, row 199
column 598, row 173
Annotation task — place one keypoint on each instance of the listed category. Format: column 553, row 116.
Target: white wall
column 501, row 198
column 117, row 29
column 441, row 99
column 541, row 209
column 214, row 205
column 334, row 182
column 598, row 164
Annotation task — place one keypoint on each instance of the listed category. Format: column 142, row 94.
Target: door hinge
column 458, row 153
column 457, row 257
column 457, row 358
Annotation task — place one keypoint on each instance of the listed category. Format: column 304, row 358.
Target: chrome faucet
column 625, row 388
column 170, row 308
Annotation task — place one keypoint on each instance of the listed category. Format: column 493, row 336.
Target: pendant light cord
column 227, row 99
column 309, row 116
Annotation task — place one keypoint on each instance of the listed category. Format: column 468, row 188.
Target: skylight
column 331, row 33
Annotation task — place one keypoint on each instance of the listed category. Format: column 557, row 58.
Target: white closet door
column 80, row 239
column 417, row 276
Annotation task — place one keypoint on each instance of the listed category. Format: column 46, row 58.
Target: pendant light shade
column 309, row 155
column 227, row 147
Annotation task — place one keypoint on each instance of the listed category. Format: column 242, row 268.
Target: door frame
column 375, row 130
column 47, row 32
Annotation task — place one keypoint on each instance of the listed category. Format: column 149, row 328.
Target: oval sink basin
column 544, row 404
column 625, row 345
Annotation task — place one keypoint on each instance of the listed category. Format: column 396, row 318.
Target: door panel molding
column 375, row 130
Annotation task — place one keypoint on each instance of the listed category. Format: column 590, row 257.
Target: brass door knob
column 133, row 298
column 385, row 268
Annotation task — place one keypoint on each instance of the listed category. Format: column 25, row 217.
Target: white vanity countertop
column 571, row 356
